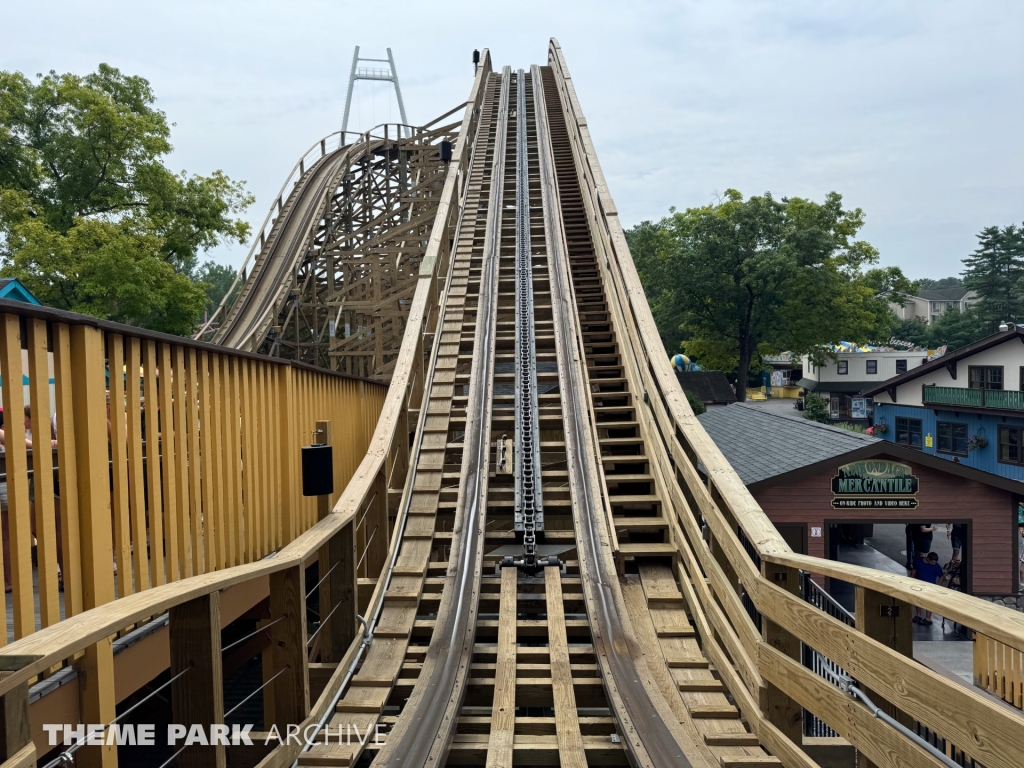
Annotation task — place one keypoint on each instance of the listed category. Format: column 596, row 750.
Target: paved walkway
column 943, row 642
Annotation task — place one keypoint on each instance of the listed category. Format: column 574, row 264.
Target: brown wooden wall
column 943, row 498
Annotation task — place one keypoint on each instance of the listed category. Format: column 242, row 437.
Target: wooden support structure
column 288, row 646
column 197, row 696
column 15, row 728
column 781, row 710
column 888, row 620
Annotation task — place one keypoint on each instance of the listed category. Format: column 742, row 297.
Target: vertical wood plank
column 197, row 697
column 288, row 640
column 136, row 467
column 96, row 666
column 238, row 530
column 781, row 710
column 887, row 620
column 267, row 666
column 15, row 724
column 42, row 472
column 567, row 723
column 168, row 462
column 265, row 488
column 338, row 594
column 119, row 461
column 226, row 430
column 209, row 532
column 287, row 437
column 248, row 479
column 181, row 473
column 67, row 471
column 155, row 495
column 503, row 709
column 18, row 514
column 195, row 484
column 278, row 454
column 217, row 461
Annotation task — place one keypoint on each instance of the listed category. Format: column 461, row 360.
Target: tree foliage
column 91, row 219
column 816, row 408
column 927, row 284
column 218, row 279
column 696, row 404
column 996, row 271
column 953, row 330
column 746, row 277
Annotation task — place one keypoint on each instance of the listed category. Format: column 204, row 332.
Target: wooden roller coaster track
column 643, row 611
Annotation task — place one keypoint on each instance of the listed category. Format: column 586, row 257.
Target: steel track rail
column 529, row 501
column 427, row 735
column 648, row 739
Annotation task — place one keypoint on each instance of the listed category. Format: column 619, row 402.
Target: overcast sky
column 912, row 110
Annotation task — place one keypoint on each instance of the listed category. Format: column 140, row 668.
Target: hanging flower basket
column 976, row 442
column 881, row 429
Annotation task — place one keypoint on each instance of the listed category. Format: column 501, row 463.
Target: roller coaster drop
column 600, row 589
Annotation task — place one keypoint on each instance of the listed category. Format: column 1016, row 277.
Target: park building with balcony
column 843, row 378
column 966, row 406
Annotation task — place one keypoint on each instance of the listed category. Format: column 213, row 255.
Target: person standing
column 923, row 533
column 927, row 569
column 957, row 535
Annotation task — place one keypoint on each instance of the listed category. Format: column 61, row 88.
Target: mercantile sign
column 874, row 484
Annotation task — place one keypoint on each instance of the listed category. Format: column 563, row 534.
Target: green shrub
column 695, row 402
column 816, row 408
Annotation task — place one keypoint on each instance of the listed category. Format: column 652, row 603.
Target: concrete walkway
column 944, row 642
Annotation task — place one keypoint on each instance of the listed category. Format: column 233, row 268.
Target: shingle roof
column 760, row 444
column 943, row 294
column 708, row 386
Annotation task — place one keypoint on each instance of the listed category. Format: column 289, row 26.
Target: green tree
column 816, row 408
column 995, row 270
column 749, row 277
column 914, row 330
column 957, row 329
column 927, row 284
column 218, row 279
column 91, row 219
column 652, row 246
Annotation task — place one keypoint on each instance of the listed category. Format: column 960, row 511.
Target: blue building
column 12, row 290
column 966, row 406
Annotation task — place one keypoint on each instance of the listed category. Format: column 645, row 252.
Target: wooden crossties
column 567, row 723
column 503, row 711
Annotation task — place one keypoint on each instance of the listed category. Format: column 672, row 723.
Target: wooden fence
column 263, row 410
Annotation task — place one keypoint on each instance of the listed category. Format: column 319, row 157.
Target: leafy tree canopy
column 953, row 329
column 996, row 271
column 746, row 277
column 218, row 279
column 927, row 284
column 91, row 219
